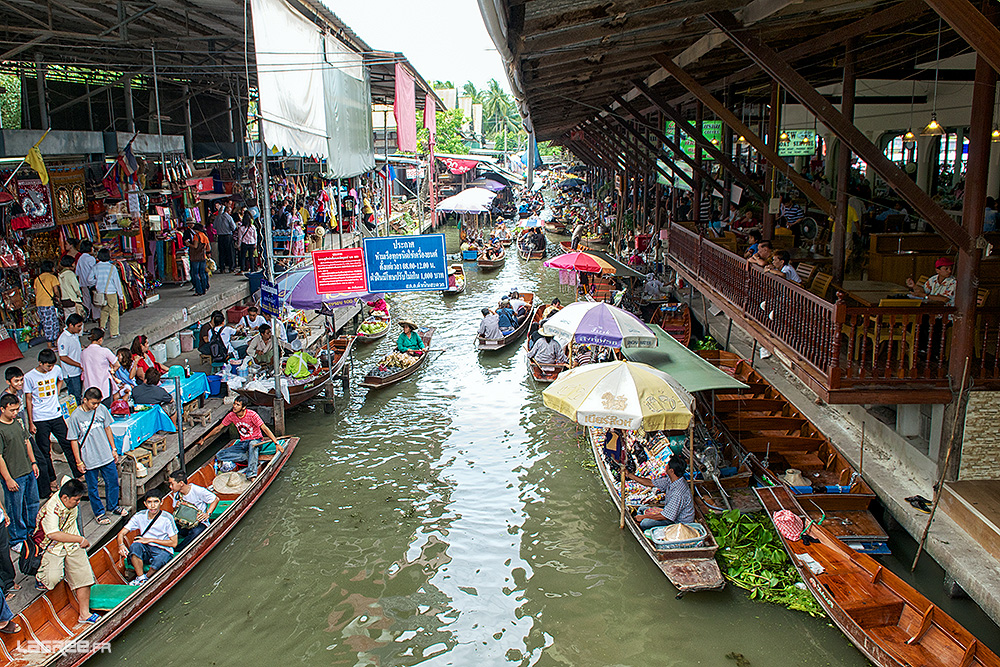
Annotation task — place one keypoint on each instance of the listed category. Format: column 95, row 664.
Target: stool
column 200, row 415
column 156, row 444
column 143, row 456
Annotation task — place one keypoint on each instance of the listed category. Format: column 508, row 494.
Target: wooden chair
column 900, row 333
column 821, row 284
column 806, row 273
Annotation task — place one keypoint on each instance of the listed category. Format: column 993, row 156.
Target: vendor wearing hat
column 410, row 342
column 939, row 288
column 547, row 350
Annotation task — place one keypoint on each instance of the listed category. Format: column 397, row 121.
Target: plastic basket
column 655, row 535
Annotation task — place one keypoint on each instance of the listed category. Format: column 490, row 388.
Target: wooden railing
column 840, row 346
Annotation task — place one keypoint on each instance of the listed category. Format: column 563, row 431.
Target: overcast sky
column 444, row 39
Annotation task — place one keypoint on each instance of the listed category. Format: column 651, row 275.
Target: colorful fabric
column 49, row 318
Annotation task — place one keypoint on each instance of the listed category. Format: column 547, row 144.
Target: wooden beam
column 732, row 121
column 838, row 240
column 691, row 131
column 654, row 151
column 855, row 139
column 977, row 30
column 640, row 159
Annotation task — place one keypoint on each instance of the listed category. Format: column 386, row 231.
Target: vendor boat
column 459, row 281
column 373, row 333
column 378, row 378
column 492, row 264
column 50, row 621
column 675, row 319
column 689, row 567
column 490, row 344
column 335, row 353
column 554, row 227
column 759, row 421
column 889, row 621
column 300, row 390
column 524, row 253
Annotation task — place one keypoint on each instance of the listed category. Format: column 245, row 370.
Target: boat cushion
column 108, row 596
column 224, row 504
column 267, row 449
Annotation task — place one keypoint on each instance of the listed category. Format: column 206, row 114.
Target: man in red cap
column 939, row 288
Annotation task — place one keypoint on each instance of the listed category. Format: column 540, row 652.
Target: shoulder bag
column 100, row 298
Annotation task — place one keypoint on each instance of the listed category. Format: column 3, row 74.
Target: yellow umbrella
column 619, row 394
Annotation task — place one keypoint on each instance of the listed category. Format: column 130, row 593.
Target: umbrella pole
column 621, row 467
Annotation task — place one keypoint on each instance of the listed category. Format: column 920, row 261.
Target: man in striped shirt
column 678, row 507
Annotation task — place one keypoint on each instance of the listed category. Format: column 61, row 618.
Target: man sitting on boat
column 520, row 306
column 64, row 550
column 547, row 350
column 507, row 317
column 494, row 251
column 260, row 349
column 197, row 497
column 678, row 507
column 552, row 308
column 250, row 427
column 156, row 540
column 410, row 342
column 489, row 327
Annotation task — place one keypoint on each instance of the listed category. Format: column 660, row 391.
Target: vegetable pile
column 753, row 558
column 371, row 327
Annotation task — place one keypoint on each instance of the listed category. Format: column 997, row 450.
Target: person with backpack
column 93, row 445
column 216, row 341
column 20, row 492
column 198, row 249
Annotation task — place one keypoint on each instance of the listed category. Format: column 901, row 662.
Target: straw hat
column 678, row 532
column 544, row 331
column 230, row 483
column 406, row 321
column 793, row 477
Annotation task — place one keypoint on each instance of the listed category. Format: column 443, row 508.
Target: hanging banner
column 406, row 263
column 339, row 271
column 799, row 142
column 457, row 166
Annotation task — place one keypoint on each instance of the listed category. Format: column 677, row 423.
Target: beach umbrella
column 580, row 261
column 571, row 183
column 595, row 323
column 620, row 394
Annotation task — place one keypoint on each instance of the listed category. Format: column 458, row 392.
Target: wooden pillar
column 772, row 174
column 129, row 109
column 188, row 134
column 43, row 107
column 838, row 245
column 677, row 194
column 727, row 148
column 699, row 117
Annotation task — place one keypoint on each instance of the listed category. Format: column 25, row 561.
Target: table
column 870, row 292
column 192, row 388
column 138, row 427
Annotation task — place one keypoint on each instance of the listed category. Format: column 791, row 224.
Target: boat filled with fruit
column 373, row 328
column 397, row 366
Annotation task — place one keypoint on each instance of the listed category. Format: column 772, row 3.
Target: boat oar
column 944, row 468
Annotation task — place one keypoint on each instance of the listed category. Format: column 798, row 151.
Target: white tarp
column 289, row 51
column 472, row 200
column 348, row 112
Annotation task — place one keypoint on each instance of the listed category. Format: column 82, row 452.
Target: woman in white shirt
column 109, row 284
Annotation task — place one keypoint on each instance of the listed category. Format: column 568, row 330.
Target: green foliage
column 10, row 101
column 754, row 559
column 549, row 148
column 448, row 138
column 707, row 343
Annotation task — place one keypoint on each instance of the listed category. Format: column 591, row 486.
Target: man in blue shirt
column 507, row 317
column 678, row 506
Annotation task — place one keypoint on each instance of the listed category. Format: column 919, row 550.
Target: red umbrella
column 580, row 261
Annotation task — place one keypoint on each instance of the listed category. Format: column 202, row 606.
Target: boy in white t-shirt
column 154, row 544
column 70, row 351
column 203, row 500
column 42, row 385
column 251, row 321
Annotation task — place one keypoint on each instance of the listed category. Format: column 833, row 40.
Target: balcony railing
column 836, row 346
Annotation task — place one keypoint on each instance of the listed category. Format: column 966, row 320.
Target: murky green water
column 451, row 519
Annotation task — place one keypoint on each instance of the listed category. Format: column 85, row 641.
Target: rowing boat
column 675, row 319
column 377, row 378
column 380, row 333
column 554, row 227
column 886, row 618
column 491, row 344
column 523, row 253
column 542, row 373
column 459, row 287
column 688, row 569
column 492, row 264
column 50, row 621
column 333, row 355
column 299, row 390
column 761, row 422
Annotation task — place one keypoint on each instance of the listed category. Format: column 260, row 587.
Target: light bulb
column 933, row 128
column 996, row 134
column 783, row 136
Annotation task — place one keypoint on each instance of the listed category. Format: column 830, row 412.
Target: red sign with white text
column 340, row 271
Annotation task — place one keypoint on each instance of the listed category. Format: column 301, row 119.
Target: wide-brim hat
column 406, row 321
column 544, row 331
column 793, row 477
column 230, row 483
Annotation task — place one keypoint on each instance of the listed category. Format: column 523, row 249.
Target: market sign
column 201, row 184
column 339, row 271
column 711, row 129
column 800, row 142
column 406, row 263
column 270, row 303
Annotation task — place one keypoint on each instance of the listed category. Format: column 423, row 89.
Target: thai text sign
column 406, row 263
column 339, row 271
column 270, row 302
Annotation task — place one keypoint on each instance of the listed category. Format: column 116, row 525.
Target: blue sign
column 406, row 263
column 270, row 303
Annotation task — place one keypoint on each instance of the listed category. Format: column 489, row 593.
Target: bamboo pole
column 944, row 468
column 621, row 468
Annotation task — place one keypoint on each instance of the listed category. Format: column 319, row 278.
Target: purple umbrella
column 298, row 290
column 596, row 323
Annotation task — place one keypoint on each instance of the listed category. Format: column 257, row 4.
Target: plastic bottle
column 187, row 369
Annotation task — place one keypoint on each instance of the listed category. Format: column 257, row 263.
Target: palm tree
column 469, row 90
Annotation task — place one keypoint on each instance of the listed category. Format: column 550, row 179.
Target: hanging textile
column 405, row 111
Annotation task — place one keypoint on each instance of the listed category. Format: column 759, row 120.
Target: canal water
column 452, row 519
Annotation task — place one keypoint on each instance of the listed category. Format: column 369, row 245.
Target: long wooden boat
column 675, row 319
column 372, row 337
column 50, row 621
column 335, row 353
column 688, row 569
column 491, row 264
column 488, row 344
column 761, row 422
column 886, row 618
column 376, row 380
column 459, row 281
column 542, row 373
column 299, row 391
column 554, row 227
column 528, row 254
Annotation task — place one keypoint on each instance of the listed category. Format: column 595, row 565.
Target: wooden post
column 772, row 175
column 699, row 118
column 839, row 239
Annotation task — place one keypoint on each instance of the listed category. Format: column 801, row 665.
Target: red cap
column 944, row 261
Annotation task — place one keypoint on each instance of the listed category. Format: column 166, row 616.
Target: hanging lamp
column 909, row 138
column 933, row 128
column 996, row 128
